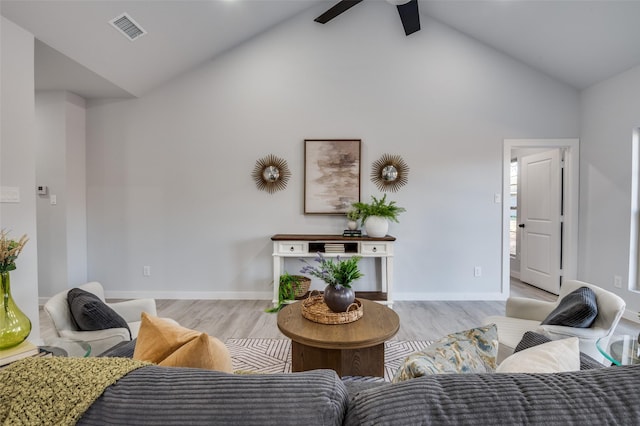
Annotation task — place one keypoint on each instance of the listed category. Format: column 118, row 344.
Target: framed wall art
column 331, row 175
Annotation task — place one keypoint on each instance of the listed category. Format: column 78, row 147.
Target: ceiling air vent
column 127, row 26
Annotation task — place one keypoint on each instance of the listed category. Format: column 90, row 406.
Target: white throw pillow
column 551, row 357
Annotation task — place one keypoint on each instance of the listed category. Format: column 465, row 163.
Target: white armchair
column 100, row 340
column 523, row 314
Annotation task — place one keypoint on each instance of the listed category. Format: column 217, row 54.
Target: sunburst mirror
column 389, row 173
column 271, row 173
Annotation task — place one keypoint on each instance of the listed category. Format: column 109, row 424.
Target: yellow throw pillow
column 158, row 338
column 202, row 352
column 166, row 343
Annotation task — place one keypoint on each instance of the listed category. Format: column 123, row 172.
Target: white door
column 540, row 220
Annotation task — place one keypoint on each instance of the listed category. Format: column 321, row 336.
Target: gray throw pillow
column 577, row 309
column 90, row 313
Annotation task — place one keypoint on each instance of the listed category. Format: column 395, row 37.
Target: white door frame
column 571, row 201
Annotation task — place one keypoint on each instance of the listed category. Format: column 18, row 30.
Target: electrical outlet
column 617, row 281
column 477, row 271
column 146, row 271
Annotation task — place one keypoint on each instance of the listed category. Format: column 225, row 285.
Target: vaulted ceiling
column 578, row 42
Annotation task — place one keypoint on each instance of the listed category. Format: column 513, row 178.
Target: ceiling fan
column 408, row 10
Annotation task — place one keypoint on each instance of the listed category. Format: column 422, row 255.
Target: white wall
column 168, row 175
column 17, row 161
column 61, row 166
column 50, row 164
column 76, row 202
column 609, row 115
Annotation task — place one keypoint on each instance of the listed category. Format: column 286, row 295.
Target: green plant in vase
column 353, row 215
column 375, row 216
column 338, row 275
column 15, row 326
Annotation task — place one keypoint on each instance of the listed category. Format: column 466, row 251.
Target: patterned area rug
column 274, row 355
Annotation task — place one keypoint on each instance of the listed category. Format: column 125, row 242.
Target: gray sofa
column 156, row 395
column 179, row 396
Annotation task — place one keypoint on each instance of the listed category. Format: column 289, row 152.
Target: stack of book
column 23, row 350
column 352, row 233
column 333, row 248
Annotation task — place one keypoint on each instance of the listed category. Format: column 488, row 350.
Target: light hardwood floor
column 226, row 319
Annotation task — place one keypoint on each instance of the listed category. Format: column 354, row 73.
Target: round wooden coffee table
column 353, row 349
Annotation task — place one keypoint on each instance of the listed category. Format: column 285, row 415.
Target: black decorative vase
column 338, row 298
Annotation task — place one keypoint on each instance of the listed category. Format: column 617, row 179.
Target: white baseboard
column 191, row 295
column 184, row 295
column 449, row 296
column 267, row 295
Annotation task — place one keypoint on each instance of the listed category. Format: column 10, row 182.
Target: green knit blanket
column 57, row 390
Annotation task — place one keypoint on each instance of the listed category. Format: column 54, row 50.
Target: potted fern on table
column 375, row 216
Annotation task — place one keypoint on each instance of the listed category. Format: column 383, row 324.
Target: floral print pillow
column 469, row 351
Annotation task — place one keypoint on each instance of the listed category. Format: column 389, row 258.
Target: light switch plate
column 9, row 194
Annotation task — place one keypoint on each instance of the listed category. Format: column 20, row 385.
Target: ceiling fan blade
column 409, row 16
column 336, row 10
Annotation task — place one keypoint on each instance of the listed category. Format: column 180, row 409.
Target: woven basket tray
column 314, row 309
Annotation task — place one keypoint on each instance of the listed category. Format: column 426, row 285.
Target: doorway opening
column 514, row 248
column 546, row 241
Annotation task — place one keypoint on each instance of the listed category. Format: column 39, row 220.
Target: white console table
column 299, row 246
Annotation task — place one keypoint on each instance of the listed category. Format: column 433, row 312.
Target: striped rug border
column 274, row 355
